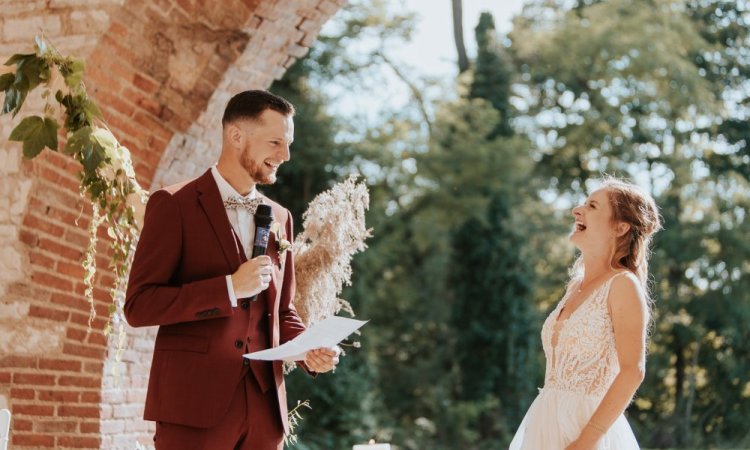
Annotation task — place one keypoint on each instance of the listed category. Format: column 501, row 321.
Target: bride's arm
column 629, row 312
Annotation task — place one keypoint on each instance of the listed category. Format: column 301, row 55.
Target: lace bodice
column 584, row 359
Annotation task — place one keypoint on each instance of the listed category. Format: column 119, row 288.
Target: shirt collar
column 226, row 190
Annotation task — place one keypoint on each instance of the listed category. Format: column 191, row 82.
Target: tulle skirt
column 556, row 418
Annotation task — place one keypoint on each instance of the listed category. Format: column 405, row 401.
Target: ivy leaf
column 34, row 69
column 6, row 80
column 50, row 130
column 30, row 72
column 80, row 111
column 92, row 111
column 15, row 95
column 77, row 141
column 73, row 73
column 92, row 156
column 84, row 146
column 105, row 139
column 35, row 133
column 15, row 59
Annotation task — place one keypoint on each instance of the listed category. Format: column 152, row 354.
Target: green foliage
column 410, row 289
column 30, row 71
column 80, row 111
column 107, row 175
column 341, row 405
column 495, row 324
column 614, row 101
column 35, row 133
column 492, row 74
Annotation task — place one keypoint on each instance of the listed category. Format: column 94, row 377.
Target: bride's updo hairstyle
column 633, row 206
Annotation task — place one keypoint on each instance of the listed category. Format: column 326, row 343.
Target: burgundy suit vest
column 258, row 334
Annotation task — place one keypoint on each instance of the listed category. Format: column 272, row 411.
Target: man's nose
column 286, row 153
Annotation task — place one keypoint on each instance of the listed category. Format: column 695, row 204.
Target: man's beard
column 255, row 170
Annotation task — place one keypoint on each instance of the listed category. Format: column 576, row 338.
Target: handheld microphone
column 263, row 219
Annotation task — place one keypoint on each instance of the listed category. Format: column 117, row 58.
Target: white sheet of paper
column 326, row 333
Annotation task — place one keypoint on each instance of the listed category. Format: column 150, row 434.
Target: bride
column 595, row 339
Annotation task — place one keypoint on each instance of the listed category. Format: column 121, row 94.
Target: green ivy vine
column 107, row 177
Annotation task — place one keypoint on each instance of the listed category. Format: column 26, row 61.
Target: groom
column 191, row 276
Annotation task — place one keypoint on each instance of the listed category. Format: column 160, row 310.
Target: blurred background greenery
column 471, row 190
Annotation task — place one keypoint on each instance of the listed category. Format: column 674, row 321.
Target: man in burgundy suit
column 191, row 276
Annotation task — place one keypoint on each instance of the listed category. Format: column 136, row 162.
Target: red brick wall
column 161, row 71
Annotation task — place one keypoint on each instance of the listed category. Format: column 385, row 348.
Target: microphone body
column 263, row 220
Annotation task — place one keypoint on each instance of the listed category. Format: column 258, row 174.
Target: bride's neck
column 594, row 268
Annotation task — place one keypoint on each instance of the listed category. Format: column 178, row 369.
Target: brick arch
column 162, row 72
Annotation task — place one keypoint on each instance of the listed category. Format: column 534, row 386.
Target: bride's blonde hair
column 635, row 207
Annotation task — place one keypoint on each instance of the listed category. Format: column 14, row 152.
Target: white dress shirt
column 242, row 221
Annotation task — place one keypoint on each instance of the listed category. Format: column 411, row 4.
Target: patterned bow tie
column 248, row 204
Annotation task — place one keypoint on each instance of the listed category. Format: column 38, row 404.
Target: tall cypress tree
column 494, row 319
column 493, row 315
column 492, row 73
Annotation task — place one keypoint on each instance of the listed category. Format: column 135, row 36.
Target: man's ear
column 622, row 228
column 234, row 135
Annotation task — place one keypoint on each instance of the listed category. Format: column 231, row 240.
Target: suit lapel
column 210, row 200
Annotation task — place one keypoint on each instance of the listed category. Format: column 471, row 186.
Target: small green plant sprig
column 106, row 175
column 295, row 417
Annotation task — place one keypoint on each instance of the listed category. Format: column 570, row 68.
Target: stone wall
column 161, row 71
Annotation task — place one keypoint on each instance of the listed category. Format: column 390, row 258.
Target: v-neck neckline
column 580, row 305
column 585, row 299
column 559, row 324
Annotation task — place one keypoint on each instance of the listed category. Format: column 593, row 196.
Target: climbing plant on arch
column 106, row 172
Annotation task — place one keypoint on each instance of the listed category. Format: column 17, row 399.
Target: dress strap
column 608, row 284
column 618, row 274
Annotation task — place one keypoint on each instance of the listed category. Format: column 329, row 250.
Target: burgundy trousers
column 252, row 423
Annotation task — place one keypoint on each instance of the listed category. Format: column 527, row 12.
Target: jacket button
column 238, row 343
column 245, row 304
column 245, row 362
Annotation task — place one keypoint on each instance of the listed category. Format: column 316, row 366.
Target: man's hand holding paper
column 322, row 360
column 317, row 346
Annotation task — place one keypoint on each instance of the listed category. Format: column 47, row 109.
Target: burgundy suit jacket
column 178, row 282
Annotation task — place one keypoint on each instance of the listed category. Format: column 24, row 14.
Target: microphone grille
column 263, row 215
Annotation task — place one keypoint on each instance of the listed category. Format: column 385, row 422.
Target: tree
column 494, row 318
column 492, row 73
column 458, row 35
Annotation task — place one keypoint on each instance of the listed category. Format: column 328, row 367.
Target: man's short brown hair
column 251, row 104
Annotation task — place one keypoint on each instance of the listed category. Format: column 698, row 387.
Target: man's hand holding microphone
column 253, row 277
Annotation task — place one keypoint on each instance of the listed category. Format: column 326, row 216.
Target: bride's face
column 593, row 228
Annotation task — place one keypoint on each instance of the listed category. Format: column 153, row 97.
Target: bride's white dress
column 581, row 365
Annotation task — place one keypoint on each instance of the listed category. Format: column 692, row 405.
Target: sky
column 430, row 54
column 433, row 48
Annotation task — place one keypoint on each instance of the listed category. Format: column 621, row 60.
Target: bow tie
column 248, row 204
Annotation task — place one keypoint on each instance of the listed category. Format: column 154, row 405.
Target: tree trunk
column 458, row 34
